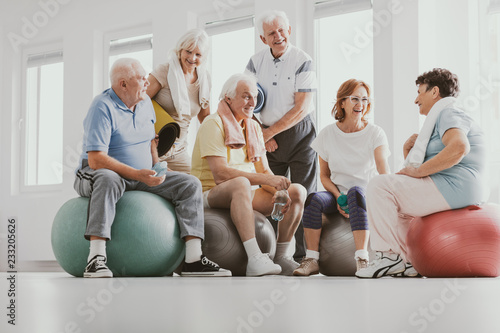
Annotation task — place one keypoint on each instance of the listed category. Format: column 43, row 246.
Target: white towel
column 417, row 154
column 178, row 87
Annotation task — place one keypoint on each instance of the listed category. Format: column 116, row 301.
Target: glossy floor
column 57, row 302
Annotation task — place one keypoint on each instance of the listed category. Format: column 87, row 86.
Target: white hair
column 123, row 68
column 191, row 39
column 268, row 17
column 229, row 88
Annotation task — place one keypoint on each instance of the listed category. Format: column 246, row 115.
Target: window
column 138, row 47
column 231, row 48
column 344, row 50
column 43, row 135
column 468, row 44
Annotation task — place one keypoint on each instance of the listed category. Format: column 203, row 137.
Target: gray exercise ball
column 222, row 243
column 336, row 247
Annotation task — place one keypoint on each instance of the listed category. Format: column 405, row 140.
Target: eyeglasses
column 356, row 100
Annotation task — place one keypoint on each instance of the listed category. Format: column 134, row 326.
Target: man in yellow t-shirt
column 228, row 172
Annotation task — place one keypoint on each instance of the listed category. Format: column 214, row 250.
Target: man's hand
column 271, row 145
column 286, row 207
column 278, row 182
column 147, row 177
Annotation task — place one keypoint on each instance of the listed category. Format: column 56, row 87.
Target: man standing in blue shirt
column 119, row 150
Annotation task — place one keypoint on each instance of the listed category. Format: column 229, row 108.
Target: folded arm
column 456, row 147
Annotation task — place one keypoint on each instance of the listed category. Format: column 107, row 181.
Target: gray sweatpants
column 105, row 187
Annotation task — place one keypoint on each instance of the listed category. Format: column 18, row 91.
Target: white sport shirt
column 280, row 79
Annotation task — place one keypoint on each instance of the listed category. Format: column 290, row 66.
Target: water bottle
column 160, row 168
column 279, row 203
column 342, row 201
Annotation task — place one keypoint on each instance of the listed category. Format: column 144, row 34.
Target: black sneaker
column 96, row 268
column 204, row 267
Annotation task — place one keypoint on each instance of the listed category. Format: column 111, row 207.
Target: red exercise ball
column 456, row 243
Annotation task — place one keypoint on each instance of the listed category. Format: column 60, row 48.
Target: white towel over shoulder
column 417, row 154
column 178, row 87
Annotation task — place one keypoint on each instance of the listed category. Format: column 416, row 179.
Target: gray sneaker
column 308, row 266
column 288, row 265
column 387, row 263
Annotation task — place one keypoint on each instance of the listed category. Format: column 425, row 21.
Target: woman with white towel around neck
column 182, row 88
column 444, row 169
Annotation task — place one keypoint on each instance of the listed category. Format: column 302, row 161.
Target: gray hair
column 191, row 39
column 268, row 17
column 229, row 88
column 123, row 68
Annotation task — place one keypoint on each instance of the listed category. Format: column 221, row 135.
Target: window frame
column 122, row 34
column 23, row 121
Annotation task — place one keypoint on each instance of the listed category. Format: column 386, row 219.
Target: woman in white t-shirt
column 351, row 151
column 182, row 88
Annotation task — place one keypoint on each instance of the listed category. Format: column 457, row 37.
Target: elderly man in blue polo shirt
column 119, row 151
column 287, row 76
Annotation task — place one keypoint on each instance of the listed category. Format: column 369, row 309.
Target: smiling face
column 426, row 98
column 243, row 103
column 190, row 59
column 353, row 109
column 276, row 36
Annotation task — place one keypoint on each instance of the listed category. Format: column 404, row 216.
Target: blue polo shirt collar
column 119, row 103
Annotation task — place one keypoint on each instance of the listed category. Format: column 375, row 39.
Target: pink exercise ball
column 456, row 243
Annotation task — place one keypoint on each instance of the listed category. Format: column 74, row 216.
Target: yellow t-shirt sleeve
column 213, row 139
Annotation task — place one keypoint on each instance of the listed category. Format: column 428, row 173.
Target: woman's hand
column 411, row 172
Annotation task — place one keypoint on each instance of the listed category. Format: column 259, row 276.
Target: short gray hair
column 268, row 17
column 123, row 68
column 191, row 39
column 229, row 88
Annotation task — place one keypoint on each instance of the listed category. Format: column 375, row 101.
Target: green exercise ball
column 144, row 236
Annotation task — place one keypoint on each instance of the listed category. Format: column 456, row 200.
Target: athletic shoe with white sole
column 308, row 266
column 96, row 268
column 361, row 263
column 203, row 267
column 287, row 264
column 261, row 264
column 410, row 271
column 387, row 263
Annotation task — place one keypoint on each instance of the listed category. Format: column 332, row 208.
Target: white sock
column 361, row 254
column 312, row 254
column 281, row 249
column 193, row 250
column 251, row 247
column 97, row 247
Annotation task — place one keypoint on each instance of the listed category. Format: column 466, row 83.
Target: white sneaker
column 260, row 264
column 387, row 263
column 287, row 264
column 410, row 271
